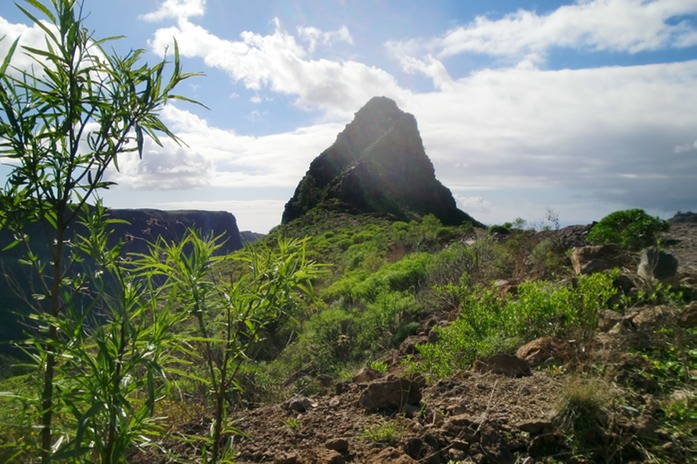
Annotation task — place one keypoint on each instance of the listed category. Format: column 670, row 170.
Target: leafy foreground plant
column 63, row 123
column 266, row 287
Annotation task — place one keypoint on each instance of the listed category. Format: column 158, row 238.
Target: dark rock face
column 377, row 165
column 598, row 258
column 147, row 225
column 658, row 266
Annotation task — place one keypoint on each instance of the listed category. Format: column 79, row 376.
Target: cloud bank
column 507, row 131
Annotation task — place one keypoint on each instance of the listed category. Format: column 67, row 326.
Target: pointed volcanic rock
column 377, row 165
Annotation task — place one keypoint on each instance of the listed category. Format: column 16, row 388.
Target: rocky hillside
column 378, row 165
column 622, row 391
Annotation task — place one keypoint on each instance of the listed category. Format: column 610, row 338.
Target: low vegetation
column 632, row 229
column 153, row 357
column 268, row 322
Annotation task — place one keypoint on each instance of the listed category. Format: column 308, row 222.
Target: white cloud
column 221, row 158
column 315, row 37
column 279, row 63
column 685, row 148
column 428, row 66
column 170, row 167
column 180, row 10
column 473, row 205
column 29, row 36
column 630, row 26
column 607, row 134
column 573, row 129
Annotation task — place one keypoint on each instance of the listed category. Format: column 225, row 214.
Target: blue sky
column 580, row 107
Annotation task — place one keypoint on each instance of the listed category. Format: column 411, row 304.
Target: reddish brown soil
column 481, row 417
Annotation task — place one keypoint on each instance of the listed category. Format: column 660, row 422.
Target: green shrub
column 383, row 319
column 490, row 323
column 501, row 229
column 547, row 257
column 631, row 229
column 450, row 264
column 345, row 334
column 407, row 274
column 379, row 366
column 405, row 330
column 329, row 335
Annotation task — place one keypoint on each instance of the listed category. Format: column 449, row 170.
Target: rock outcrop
column 377, row 165
column 147, row 225
column 144, row 226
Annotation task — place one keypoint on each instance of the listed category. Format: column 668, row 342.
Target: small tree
column 631, row 229
column 63, row 123
column 264, row 287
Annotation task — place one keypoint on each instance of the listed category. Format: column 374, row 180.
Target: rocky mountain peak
column 376, row 165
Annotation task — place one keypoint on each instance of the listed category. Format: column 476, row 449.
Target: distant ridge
column 145, row 226
column 377, row 165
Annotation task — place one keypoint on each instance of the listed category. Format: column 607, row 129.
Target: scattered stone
column 432, row 417
column 338, row 444
column 366, row 375
column 390, row 393
column 417, row 448
column 503, row 364
column 325, row 380
column 433, row 335
column 329, row 456
column 393, row 456
column 288, row 458
column 461, row 445
column 626, row 282
column 463, row 427
column 457, row 409
column 342, row 387
column 494, row 445
column 299, row 404
column 648, row 316
column 408, row 346
column 545, row 351
column 598, row 258
column 411, row 410
column 607, row 319
column 536, row 427
column 549, row 444
column 658, row 266
column 688, row 317
column 505, row 287
column 456, row 455
column 630, row 372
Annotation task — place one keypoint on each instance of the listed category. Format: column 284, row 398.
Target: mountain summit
column 377, row 165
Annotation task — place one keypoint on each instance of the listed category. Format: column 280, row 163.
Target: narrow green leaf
column 41, row 7
column 11, row 245
column 39, row 23
column 8, row 57
column 139, row 140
